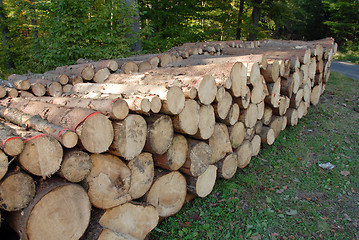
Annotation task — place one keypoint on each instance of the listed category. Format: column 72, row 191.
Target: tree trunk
column 239, row 22
column 5, row 37
column 256, row 13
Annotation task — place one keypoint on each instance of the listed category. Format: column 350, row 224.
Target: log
column 86, row 70
column 222, row 106
column 187, row 120
column 101, row 75
column 276, row 124
column 66, row 89
column 109, row 181
column 167, row 193
column 142, row 174
column 249, row 116
column 296, row 98
column 284, row 103
column 11, row 92
column 243, row 101
column 244, row 154
column 4, row 163
column 315, row 95
column 17, row 189
column 75, row 79
column 172, row 98
column 227, row 166
column 110, row 64
column 286, row 86
column 128, row 67
column 59, row 209
column 113, row 108
column 202, row 185
column 61, row 78
column 76, row 165
column 10, row 142
column 260, row 110
column 267, row 116
column 159, row 133
column 129, row 221
column 138, row 103
column 38, row 89
column 271, row 73
column 249, row 133
column 233, row 115
column 198, row 158
column 219, row 143
column 274, row 94
column 175, row 156
column 292, row 116
column 156, row 104
column 95, row 131
column 236, row 134
column 53, row 89
column 129, row 136
column 41, row 155
column 22, row 85
column 65, row 136
column 255, row 145
column 206, row 123
column 267, row 135
column 2, row 92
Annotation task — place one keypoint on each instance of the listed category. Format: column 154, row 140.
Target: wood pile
column 105, row 149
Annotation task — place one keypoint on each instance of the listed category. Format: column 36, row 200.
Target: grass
column 283, row 193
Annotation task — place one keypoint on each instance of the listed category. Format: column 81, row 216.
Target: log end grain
column 207, row 89
column 76, row 165
column 4, row 163
column 174, row 102
column 156, row 104
column 13, row 146
column 159, row 134
column 205, row 182
column 244, row 154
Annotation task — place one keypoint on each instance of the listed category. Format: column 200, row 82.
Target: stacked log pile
column 133, row 139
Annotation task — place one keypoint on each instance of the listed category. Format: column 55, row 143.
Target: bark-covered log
column 95, row 131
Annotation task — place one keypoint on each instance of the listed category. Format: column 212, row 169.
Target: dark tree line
column 38, row 35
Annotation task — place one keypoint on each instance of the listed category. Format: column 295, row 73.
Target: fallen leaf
column 280, row 191
column 291, row 212
column 327, row 166
column 347, row 217
column 345, row 173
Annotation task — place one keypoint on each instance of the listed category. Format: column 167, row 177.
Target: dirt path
column 348, row 69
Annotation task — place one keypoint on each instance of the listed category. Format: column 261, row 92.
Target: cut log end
column 244, row 154
column 69, row 139
column 174, row 102
column 76, row 165
column 207, row 89
column 159, row 134
column 13, row 146
column 227, row 167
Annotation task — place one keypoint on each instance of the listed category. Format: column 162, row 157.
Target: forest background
column 39, row 35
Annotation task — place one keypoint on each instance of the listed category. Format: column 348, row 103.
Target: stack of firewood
column 131, row 140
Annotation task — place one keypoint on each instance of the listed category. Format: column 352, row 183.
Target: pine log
column 258, row 92
column 296, row 98
column 95, row 131
column 172, row 98
column 227, row 166
column 61, row 78
column 86, row 71
column 312, row 68
column 244, row 154
column 206, row 123
column 129, row 136
column 142, row 174
column 176, row 155
column 156, row 103
column 274, row 94
column 128, row 221
column 286, row 86
column 188, row 119
column 4, row 163
column 292, row 116
column 65, row 136
column 202, row 185
column 243, row 101
column 233, row 115
column 284, row 103
column 219, row 143
column 10, row 142
column 110, row 64
column 17, row 189
column 38, row 89
column 101, row 75
column 2, row 92
column 222, row 106
column 249, row 133
column 53, row 89
column 58, row 210
column 315, row 95
column 255, row 145
column 167, row 193
column 22, row 85
column 108, row 182
column 260, row 110
column 302, row 109
column 236, row 134
column 249, row 116
column 144, row 66
column 75, row 79
column 66, row 89
column 297, row 82
column 276, row 124
column 165, row 59
column 138, row 103
column 76, row 165
column 198, row 158
column 113, row 108
column 271, row 73
column 11, row 92
column 284, row 123
column 267, row 116
column 159, row 133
